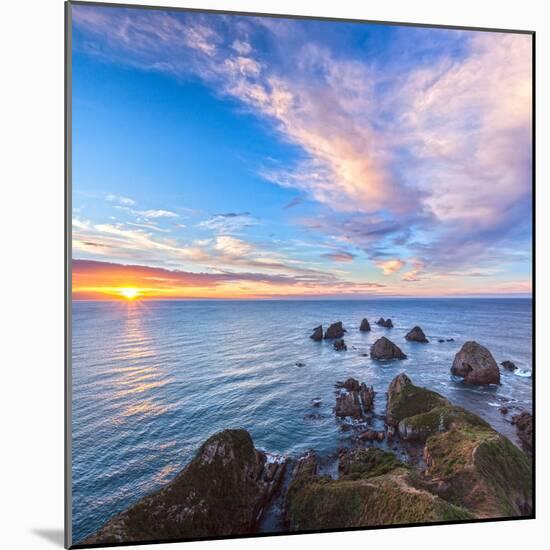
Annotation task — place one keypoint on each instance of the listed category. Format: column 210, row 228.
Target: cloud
column 390, row 266
column 339, row 256
column 125, row 201
column 427, row 156
column 230, row 222
column 155, row 213
column 296, row 201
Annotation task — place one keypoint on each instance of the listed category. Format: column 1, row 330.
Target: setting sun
column 129, row 293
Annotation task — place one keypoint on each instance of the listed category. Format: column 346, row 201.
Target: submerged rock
column 300, row 364
column 336, row 330
column 524, row 427
column 508, row 365
column 365, row 326
column 340, row 345
column 476, row 365
column 317, row 335
column 385, row 349
column 356, row 402
column 385, row 322
column 222, row 492
column 416, row 334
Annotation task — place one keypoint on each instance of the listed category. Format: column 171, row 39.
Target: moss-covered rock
column 439, row 419
column 221, row 492
column 481, row 470
column 374, row 489
column 406, row 400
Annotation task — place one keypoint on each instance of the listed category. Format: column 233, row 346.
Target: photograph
column 300, row 274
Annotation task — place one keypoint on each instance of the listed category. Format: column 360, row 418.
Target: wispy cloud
column 230, row 222
column 339, row 256
column 428, row 159
column 125, row 201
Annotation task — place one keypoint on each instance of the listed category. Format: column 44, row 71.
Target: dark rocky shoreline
column 448, row 465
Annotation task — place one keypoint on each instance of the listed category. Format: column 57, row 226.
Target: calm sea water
column 152, row 380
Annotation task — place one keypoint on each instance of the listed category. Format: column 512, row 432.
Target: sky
column 219, row 156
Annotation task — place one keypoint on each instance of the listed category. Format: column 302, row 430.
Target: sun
column 129, row 293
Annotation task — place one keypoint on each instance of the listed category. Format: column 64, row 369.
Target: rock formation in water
column 340, row 345
column 476, row 365
column 317, row 335
column 524, row 427
column 472, row 471
column 365, row 326
column 416, row 334
column 222, row 492
column 385, row 322
column 508, row 365
column 469, row 461
column 336, row 330
column 384, row 349
column 356, row 400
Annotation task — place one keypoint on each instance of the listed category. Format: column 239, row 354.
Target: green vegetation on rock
column 220, row 492
column 484, row 472
column 374, row 489
column 439, row 419
column 410, row 401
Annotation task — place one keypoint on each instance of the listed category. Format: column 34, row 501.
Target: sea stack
column 476, row 365
column 340, row 345
column 385, row 349
column 365, row 326
column 336, row 330
column 357, row 400
column 416, row 334
column 508, row 365
column 317, row 335
column 384, row 322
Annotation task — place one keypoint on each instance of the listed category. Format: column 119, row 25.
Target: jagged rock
column 365, row 326
column 524, row 428
column 340, row 345
column 475, row 467
column 317, row 335
column 385, row 349
column 336, row 330
column 450, row 339
column 316, row 401
column 508, row 365
column 405, row 400
column 356, row 401
column 374, row 488
column 371, row 435
column 476, row 365
column 416, row 334
column 503, row 410
column 222, row 492
column 385, row 322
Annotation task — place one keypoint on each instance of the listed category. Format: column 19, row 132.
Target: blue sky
column 260, row 157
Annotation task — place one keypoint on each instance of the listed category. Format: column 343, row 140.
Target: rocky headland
column 433, row 461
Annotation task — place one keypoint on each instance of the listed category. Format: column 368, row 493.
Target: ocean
column 152, row 380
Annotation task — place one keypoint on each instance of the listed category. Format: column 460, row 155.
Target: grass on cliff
column 486, row 473
column 413, row 400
